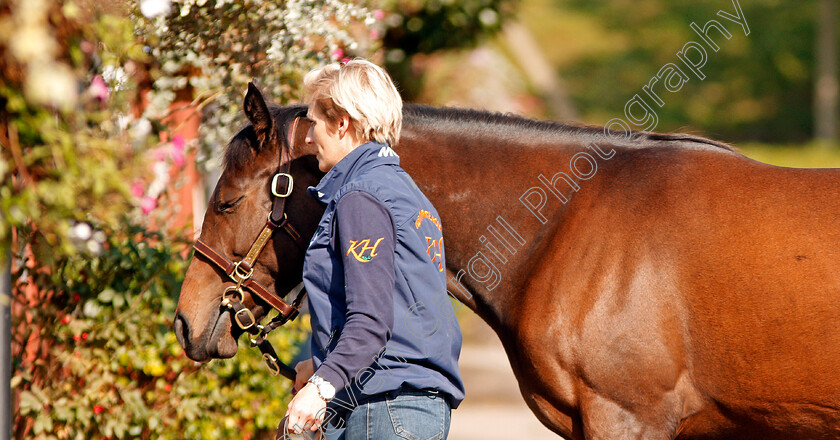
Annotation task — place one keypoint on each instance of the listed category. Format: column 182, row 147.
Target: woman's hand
column 306, row 410
column 304, row 370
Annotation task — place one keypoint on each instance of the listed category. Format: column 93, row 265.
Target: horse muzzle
column 217, row 343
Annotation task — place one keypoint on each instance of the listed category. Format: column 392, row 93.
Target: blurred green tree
column 425, row 26
column 757, row 87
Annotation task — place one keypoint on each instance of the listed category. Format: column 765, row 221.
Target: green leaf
column 43, row 423
column 62, row 410
column 30, row 403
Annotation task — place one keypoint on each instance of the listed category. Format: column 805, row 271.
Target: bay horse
column 644, row 286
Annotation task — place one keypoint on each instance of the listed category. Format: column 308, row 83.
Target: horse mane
column 240, row 148
column 515, row 128
column 509, row 126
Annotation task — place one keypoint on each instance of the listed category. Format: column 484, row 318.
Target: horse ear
column 257, row 112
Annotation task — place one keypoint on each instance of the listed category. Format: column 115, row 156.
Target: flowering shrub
column 215, row 47
column 113, row 369
column 84, row 183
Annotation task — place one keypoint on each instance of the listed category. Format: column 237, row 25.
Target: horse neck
column 475, row 179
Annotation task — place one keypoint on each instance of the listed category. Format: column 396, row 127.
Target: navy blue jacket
column 375, row 273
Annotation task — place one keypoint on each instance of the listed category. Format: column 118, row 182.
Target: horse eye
column 227, row 207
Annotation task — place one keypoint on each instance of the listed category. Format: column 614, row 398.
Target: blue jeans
column 410, row 415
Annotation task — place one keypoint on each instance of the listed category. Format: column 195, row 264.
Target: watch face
column 327, row 391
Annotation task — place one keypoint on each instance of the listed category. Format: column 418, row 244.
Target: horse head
column 272, row 145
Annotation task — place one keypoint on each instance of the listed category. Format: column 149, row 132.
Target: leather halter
column 240, row 272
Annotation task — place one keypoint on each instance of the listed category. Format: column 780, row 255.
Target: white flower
column 32, row 44
column 115, row 76
column 158, row 186
column 81, row 231
column 51, row 84
column 99, row 237
column 94, row 247
column 488, row 17
column 154, row 8
column 141, row 128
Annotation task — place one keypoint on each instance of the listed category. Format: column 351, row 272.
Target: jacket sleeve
column 365, row 238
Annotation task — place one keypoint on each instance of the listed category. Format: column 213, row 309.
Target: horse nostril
column 182, row 330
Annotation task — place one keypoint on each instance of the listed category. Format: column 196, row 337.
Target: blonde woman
column 384, row 364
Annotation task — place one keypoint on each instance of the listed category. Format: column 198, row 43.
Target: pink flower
column 148, row 204
column 137, row 189
column 345, row 60
column 177, row 157
column 338, row 53
column 98, row 88
column 178, row 142
column 159, row 154
column 378, row 14
column 177, row 153
column 374, row 34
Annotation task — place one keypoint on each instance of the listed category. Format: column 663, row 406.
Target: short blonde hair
column 364, row 92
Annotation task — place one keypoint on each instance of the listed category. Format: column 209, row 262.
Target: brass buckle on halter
column 248, row 315
column 238, row 277
column 271, row 363
column 291, row 181
column 226, row 299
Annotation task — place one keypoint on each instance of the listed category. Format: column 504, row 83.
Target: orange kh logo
column 423, row 214
column 434, row 249
column 358, row 249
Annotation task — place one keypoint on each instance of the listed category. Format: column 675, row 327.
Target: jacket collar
column 368, row 155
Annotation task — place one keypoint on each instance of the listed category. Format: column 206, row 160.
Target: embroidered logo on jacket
column 425, row 215
column 358, row 249
column 386, row 151
column 434, row 249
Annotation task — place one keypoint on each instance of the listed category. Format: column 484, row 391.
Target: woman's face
column 331, row 140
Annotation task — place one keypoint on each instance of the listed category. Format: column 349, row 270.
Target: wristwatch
column 325, row 389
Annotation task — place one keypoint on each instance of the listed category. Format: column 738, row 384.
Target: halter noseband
column 240, row 272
